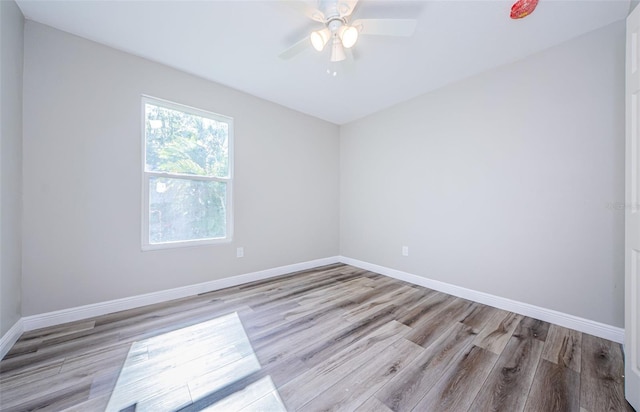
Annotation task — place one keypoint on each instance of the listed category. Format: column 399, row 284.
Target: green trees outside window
column 187, row 173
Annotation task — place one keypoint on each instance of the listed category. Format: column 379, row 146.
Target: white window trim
column 146, row 245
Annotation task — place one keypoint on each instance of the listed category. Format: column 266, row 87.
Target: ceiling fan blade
column 306, row 9
column 386, row 27
column 346, row 7
column 296, row 49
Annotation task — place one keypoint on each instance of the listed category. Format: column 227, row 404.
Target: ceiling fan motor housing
column 329, row 8
column 334, row 24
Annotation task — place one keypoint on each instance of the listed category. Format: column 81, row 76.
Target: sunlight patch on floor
column 207, row 366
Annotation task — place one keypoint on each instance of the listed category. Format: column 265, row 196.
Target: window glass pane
column 183, row 209
column 178, row 142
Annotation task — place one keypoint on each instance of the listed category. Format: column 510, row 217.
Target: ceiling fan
column 339, row 31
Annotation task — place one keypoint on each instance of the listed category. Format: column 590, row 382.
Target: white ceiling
column 236, row 43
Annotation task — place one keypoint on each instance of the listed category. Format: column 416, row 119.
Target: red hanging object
column 523, row 8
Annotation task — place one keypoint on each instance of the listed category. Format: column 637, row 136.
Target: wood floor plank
column 495, row 336
column 298, row 333
column 166, row 399
column 97, row 360
column 403, row 296
column 281, row 355
column 58, row 400
column 139, row 315
column 283, row 370
column 460, row 384
column 54, row 393
column 373, row 405
column 276, row 283
column 533, row 328
column 554, row 388
column 339, row 303
column 293, row 327
column 266, row 319
column 427, row 331
column 563, row 347
column 298, row 291
column 340, row 296
column 93, row 404
column 329, row 338
column 59, row 351
column 307, row 385
column 103, row 383
column 250, row 397
column 350, row 392
column 59, row 330
column 321, row 272
column 346, row 336
column 404, row 391
column 23, row 346
column 602, row 385
column 158, row 326
column 426, row 309
column 343, row 298
column 271, row 402
column 103, row 336
column 479, row 316
column 32, row 373
column 508, row 384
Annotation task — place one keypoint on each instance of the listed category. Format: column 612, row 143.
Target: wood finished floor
column 332, row 338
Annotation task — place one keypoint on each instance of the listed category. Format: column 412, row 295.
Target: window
column 187, row 176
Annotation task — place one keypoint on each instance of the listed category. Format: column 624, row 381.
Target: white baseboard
column 97, row 309
column 548, row 315
column 8, row 339
column 83, row 312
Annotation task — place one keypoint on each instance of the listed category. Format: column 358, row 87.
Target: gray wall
column 11, row 46
column 82, row 177
column 501, row 183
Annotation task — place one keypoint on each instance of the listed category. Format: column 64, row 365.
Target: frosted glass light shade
column 319, row 39
column 337, row 51
column 349, row 37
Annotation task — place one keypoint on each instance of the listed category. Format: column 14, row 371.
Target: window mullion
column 187, row 177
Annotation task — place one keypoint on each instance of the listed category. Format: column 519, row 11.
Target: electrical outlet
column 405, row 250
column 240, row 252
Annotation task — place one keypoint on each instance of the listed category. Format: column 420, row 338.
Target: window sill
column 185, row 244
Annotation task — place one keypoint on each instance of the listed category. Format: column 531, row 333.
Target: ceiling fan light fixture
column 349, row 36
column 337, row 51
column 319, row 39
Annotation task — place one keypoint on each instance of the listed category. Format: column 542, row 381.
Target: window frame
column 146, row 176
